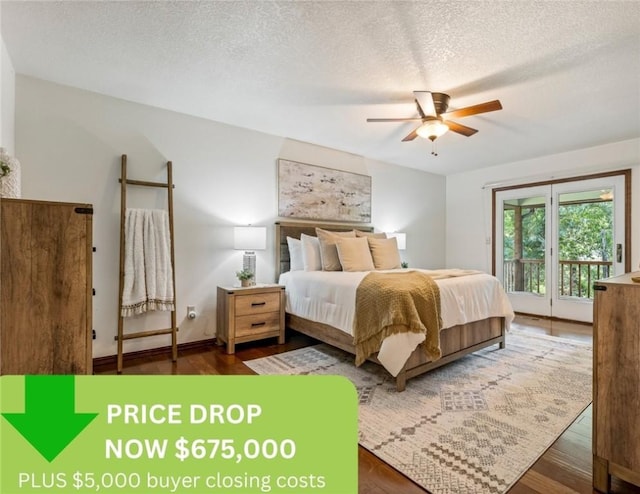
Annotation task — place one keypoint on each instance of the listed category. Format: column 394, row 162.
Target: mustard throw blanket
column 390, row 303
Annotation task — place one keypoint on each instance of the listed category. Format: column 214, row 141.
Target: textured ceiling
column 567, row 72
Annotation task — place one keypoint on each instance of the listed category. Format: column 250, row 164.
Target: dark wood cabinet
column 616, row 381
column 45, row 287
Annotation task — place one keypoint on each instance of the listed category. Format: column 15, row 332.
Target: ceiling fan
column 434, row 116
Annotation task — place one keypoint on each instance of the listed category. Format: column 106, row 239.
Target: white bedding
column 330, row 297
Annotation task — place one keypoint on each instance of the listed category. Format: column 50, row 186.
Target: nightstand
column 250, row 314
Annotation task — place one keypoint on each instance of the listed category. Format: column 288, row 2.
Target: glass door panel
column 523, row 228
column 524, row 244
column 585, row 241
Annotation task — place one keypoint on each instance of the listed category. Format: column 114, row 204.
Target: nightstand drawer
column 257, row 323
column 257, row 303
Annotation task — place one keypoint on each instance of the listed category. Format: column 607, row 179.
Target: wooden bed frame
column 455, row 342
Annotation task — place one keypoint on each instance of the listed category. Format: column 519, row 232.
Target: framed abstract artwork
column 318, row 193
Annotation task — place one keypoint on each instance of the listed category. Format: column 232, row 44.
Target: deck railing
column 524, row 275
column 575, row 277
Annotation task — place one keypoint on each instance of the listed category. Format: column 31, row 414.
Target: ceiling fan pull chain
column 434, row 149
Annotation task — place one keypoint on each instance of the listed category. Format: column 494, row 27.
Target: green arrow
column 49, row 421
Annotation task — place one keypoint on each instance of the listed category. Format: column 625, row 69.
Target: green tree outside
column 585, row 234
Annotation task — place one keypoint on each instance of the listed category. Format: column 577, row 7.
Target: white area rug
column 473, row 426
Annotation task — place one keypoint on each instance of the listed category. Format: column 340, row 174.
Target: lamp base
column 249, row 264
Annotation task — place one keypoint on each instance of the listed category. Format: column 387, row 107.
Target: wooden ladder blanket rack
column 173, row 330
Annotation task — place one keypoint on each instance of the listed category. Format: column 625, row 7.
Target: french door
column 553, row 241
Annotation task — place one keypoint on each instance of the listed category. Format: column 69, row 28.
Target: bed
column 461, row 333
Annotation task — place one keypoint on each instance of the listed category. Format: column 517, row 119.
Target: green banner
column 178, row 434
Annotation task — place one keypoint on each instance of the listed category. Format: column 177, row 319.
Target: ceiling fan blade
column 460, row 129
column 474, row 110
column 408, row 119
column 412, row 135
column 425, row 103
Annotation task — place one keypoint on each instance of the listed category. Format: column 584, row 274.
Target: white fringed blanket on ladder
column 148, row 274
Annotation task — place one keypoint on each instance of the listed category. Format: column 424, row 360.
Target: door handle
column 618, row 252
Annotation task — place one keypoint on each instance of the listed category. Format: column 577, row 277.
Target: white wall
column 7, row 100
column 403, row 199
column 69, row 143
column 468, row 202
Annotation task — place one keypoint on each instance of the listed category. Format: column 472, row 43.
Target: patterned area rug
column 473, row 426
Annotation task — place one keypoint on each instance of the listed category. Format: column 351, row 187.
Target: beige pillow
column 354, row 254
column 360, row 233
column 328, row 252
column 385, row 253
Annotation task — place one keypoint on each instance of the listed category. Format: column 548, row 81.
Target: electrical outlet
column 191, row 311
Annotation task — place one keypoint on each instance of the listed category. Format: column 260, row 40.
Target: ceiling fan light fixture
column 432, row 129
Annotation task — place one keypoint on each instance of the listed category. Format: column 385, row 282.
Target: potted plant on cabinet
column 245, row 276
column 5, row 169
column 9, row 175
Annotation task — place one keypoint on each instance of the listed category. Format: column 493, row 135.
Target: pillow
column 360, row 233
column 328, row 252
column 354, row 254
column 310, row 253
column 385, row 253
column 296, row 262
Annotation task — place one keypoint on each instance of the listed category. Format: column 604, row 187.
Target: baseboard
column 152, row 352
column 552, row 318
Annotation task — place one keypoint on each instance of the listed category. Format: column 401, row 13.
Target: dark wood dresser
column 616, row 381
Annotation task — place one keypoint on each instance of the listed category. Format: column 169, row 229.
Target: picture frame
column 318, row 193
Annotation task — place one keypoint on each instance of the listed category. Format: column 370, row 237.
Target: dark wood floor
column 564, row 468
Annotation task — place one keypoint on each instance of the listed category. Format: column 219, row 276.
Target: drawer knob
column 256, row 304
column 256, row 324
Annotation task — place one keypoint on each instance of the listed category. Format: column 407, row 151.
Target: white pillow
column 296, row 262
column 354, row 254
column 310, row 253
column 385, row 253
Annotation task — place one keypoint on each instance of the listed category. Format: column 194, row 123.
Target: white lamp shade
column 401, row 239
column 250, row 237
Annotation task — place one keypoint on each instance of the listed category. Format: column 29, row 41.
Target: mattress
column 329, row 297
